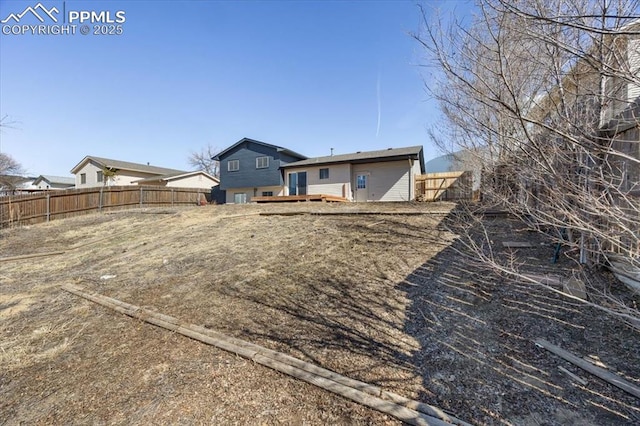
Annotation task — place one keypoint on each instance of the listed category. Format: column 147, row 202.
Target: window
column 267, row 193
column 100, row 176
column 233, row 165
column 83, row 178
column 324, row 173
column 239, row 198
column 361, row 182
column 262, row 162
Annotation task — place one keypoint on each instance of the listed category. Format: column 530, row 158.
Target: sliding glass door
column 298, row 183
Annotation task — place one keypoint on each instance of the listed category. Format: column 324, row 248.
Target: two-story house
column 620, row 118
column 90, row 172
column 250, row 168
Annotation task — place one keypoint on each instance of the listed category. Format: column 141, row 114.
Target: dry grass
column 322, row 288
column 380, row 298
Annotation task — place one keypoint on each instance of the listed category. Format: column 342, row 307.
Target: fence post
column 100, row 200
column 140, row 196
column 48, row 206
column 171, row 197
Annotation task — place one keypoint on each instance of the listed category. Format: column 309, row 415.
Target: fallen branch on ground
column 409, row 411
column 587, row 366
column 578, row 379
column 31, row 256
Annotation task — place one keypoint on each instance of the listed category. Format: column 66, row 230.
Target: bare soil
column 389, row 299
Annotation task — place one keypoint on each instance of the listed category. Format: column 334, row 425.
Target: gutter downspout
column 411, row 180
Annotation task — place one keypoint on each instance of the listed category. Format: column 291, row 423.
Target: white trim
column 258, row 166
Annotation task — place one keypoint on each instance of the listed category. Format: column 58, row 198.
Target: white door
column 362, row 187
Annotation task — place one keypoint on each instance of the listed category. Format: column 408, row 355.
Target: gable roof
column 124, row 165
column 62, row 180
column 178, row 175
column 389, row 154
column 248, row 140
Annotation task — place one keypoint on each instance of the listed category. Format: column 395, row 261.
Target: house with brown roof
column 383, row 175
column 196, row 179
column 97, row 171
column 254, row 170
column 48, row 182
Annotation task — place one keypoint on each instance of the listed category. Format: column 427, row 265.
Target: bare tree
column 10, row 172
column 545, row 96
column 203, row 160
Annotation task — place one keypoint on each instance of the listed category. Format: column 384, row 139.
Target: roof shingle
column 364, row 156
column 126, row 165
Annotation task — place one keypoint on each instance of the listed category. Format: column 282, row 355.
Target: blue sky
column 309, row 76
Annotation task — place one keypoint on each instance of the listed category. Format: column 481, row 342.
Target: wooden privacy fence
column 46, row 206
column 448, row 186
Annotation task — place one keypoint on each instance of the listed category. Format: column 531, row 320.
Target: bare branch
column 540, row 93
column 203, row 160
column 10, row 171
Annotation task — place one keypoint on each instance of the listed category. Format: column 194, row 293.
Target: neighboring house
column 251, row 168
column 385, row 175
column 620, row 120
column 197, row 180
column 622, row 93
column 90, row 172
column 45, row 182
column 584, row 86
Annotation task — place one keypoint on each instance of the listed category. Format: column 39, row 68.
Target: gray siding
column 248, row 176
column 388, row 181
column 337, row 184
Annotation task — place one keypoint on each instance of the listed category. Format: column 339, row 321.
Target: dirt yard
column 388, row 299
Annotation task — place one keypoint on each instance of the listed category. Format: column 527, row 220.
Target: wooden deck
column 297, row 198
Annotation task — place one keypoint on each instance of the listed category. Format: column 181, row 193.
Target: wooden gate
column 448, row 186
